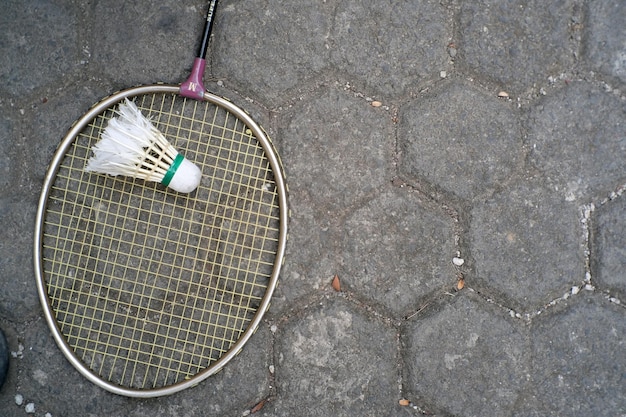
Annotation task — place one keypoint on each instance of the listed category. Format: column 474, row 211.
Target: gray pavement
column 459, row 165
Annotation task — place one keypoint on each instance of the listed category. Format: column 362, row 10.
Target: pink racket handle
column 193, row 86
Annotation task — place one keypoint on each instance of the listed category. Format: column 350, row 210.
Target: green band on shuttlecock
column 172, row 170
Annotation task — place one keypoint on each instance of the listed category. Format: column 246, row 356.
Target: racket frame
column 49, row 179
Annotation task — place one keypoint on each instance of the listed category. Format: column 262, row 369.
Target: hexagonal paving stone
column 396, row 251
column 138, row 33
column 609, row 246
column 57, row 114
column 342, row 151
column 526, row 242
column 515, row 42
column 390, row 46
column 18, row 297
column 310, row 259
column 578, row 138
column 335, row 361
column 575, row 368
column 605, row 47
column 54, row 38
column 273, row 48
column 459, row 139
column 467, row 357
column 10, row 156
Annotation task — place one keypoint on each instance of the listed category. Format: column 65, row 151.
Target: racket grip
column 193, row 87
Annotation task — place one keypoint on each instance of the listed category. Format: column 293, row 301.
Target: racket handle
column 193, row 87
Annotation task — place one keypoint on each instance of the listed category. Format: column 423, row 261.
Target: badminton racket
column 148, row 291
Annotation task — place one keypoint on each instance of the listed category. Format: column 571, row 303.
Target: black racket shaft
column 210, row 16
column 193, row 87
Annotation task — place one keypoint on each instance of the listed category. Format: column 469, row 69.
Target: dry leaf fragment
column 403, row 402
column 503, row 94
column 460, row 284
column 336, row 284
column 376, row 103
column 257, row 407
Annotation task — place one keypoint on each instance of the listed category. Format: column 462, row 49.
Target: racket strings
column 149, row 287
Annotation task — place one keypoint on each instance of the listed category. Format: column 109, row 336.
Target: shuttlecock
column 130, row 145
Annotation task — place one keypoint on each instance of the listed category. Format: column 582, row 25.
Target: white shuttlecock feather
column 131, row 146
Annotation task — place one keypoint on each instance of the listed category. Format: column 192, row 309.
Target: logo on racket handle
column 193, row 87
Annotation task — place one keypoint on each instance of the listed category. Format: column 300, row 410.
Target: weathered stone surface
column 390, row 46
column 571, row 350
column 518, row 43
column 386, row 49
column 467, row 358
column 337, row 150
column 609, row 247
column 605, row 49
column 274, row 51
column 527, row 244
column 156, row 41
column 311, row 258
column 578, row 138
column 460, row 139
column 38, row 44
column 334, row 360
column 18, row 298
column 395, row 273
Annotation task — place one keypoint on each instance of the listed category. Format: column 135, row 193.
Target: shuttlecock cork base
column 182, row 176
column 130, row 145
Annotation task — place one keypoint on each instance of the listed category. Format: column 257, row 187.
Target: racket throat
column 193, row 87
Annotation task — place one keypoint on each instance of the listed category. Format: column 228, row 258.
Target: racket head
column 147, row 291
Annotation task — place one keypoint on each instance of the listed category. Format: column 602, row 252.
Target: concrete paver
column 39, row 56
column 18, row 297
column 245, row 53
column 576, row 137
column 609, row 247
column 604, row 46
column 579, row 358
column 527, row 244
column 335, row 360
column 393, row 47
column 397, row 274
column 460, row 139
column 338, row 173
column 498, row 38
column 466, row 358
column 131, row 35
column 459, row 165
